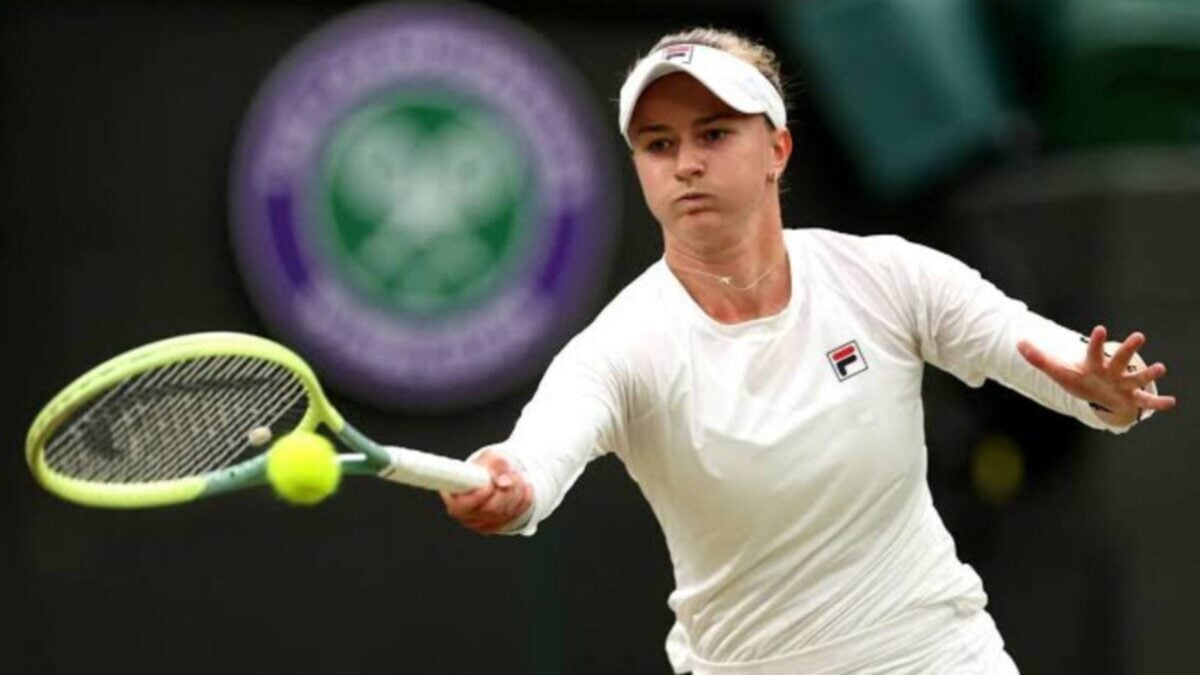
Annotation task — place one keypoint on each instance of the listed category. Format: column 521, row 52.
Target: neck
column 754, row 262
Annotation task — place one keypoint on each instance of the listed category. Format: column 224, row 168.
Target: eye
column 658, row 145
column 714, row 135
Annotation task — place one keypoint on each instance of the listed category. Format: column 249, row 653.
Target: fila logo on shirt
column 679, row 53
column 847, row 360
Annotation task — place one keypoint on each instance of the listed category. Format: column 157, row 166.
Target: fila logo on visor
column 678, row 53
column 847, row 360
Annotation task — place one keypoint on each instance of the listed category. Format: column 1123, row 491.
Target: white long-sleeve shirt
column 785, row 457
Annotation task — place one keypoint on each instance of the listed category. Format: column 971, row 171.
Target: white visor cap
column 740, row 85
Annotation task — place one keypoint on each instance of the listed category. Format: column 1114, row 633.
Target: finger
column 1035, row 357
column 1152, row 402
column 493, row 462
column 489, row 522
column 481, row 526
column 498, row 466
column 494, row 505
column 1143, row 377
column 1095, row 348
column 492, row 527
column 501, row 501
column 519, row 502
column 469, row 502
column 1040, row 360
column 1125, row 352
column 480, row 520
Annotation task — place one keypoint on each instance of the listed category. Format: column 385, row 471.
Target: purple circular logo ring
column 345, row 143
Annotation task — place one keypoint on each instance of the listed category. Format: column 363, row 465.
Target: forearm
column 552, row 443
column 965, row 325
column 1088, row 371
column 1011, row 369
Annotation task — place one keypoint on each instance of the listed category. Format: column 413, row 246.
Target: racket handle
column 433, row 472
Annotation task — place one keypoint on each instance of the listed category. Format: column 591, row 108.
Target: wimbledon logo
column 422, row 204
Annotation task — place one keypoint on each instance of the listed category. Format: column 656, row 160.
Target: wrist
column 1114, row 418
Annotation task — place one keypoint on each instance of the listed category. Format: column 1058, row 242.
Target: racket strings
column 208, row 423
column 183, row 419
column 113, row 430
column 102, row 428
column 173, row 423
column 102, row 441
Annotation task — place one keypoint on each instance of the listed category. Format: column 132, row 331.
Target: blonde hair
column 758, row 55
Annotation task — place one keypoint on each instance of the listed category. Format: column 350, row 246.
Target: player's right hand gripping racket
column 193, row 416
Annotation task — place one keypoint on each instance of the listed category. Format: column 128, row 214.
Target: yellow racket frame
column 157, row 354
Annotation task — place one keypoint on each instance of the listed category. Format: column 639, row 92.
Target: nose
column 689, row 162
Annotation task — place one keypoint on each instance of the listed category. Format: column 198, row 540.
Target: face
column 703, row 166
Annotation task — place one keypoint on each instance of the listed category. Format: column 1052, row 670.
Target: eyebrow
column 648, row 128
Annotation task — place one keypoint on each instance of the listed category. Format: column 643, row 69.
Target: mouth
column 692, row 198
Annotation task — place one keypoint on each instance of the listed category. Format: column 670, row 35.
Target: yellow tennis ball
column 997, row 469
column 303, row 468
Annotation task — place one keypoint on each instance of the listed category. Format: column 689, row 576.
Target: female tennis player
column 763, row 388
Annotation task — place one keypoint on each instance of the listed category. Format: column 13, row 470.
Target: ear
column 781, row 149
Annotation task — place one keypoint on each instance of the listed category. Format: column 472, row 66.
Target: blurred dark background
column 1054, row 145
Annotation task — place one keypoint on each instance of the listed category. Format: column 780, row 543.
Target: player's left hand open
column 1114, row 382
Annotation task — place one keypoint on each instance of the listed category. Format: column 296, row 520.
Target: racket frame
column 369, row 456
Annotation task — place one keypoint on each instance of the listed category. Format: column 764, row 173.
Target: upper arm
column 965, row 325
column 960, row 322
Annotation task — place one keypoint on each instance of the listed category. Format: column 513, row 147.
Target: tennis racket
column 192, row 417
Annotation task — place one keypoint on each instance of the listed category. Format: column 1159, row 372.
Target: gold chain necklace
column 726, row 280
